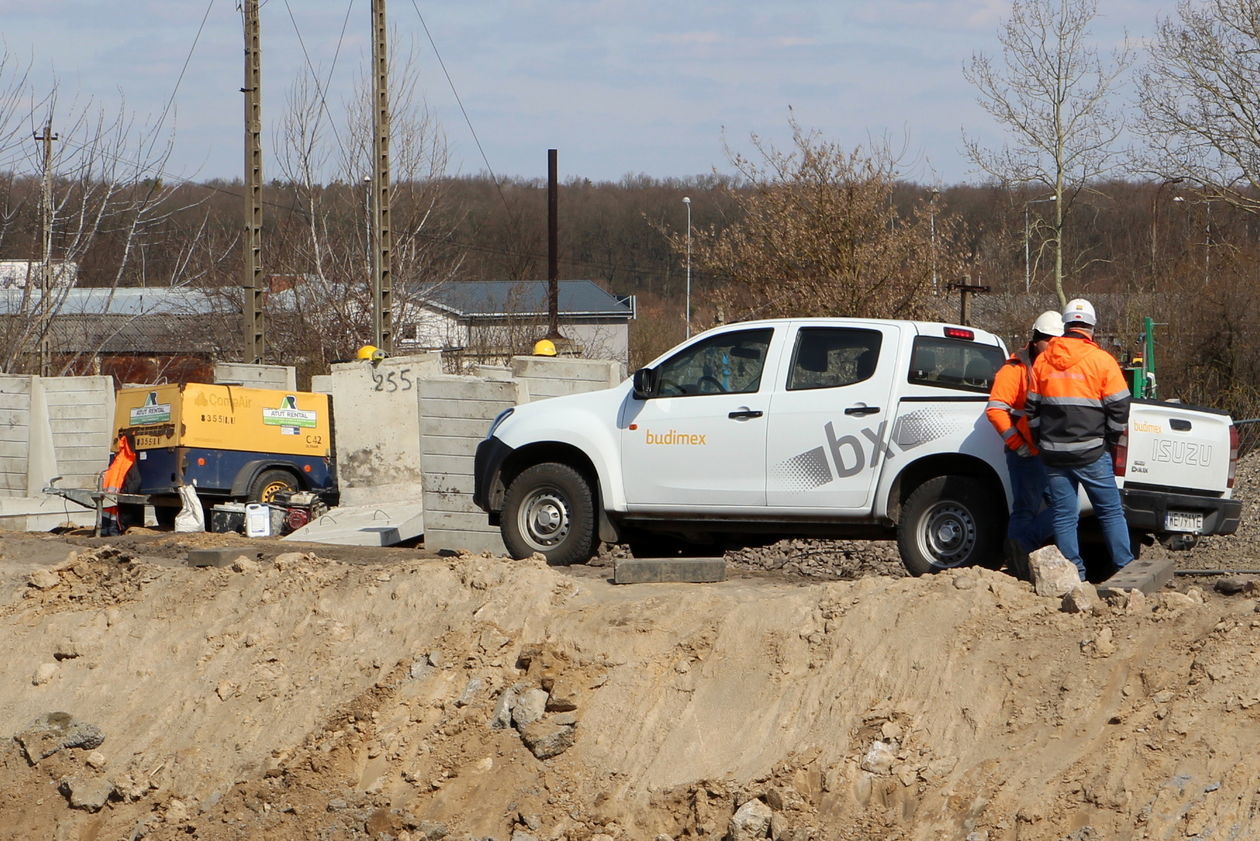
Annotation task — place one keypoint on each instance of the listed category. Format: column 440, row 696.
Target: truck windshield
column 951, row 363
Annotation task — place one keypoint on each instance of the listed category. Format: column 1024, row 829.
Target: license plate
column 1183, row 521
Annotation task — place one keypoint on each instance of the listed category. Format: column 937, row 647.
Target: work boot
column 1017, row 559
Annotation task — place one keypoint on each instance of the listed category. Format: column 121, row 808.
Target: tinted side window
column 729, row 363
column 951, row 363
column 827, row 357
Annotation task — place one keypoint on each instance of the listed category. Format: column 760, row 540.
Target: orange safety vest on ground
column 1078, row 405
column 1005, row 409
column 116, row 473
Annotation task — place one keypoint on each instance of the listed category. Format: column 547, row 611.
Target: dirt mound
column 473, row 697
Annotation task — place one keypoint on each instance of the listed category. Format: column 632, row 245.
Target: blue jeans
column 1099, row 481
column 1032, row 526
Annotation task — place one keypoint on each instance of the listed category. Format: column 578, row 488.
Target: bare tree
column 1051, row 92
column 818, row 234
column 328, row 171
column 107, row 194
column 1200, row 103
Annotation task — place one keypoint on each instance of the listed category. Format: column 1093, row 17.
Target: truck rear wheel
column 948, row 522
column 550, row 508
column 270, row 483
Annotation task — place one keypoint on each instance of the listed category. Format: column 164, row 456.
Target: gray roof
column 125, row 301
column 494, row 298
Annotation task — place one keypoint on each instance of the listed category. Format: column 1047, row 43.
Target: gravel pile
column 828, row 560
column 1239, row 551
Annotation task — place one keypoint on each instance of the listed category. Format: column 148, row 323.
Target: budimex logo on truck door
column 289, row 417
column 151, row 412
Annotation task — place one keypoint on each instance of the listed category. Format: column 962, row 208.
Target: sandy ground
column 372, row 694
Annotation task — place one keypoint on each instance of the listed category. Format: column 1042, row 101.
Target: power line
column 196, row 38
column 462, row 110
column 321, row 90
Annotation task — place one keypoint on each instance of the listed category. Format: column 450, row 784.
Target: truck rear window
column 951, row 363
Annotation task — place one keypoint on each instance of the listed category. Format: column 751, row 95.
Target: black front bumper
column 487, row 463
column 1146, row 510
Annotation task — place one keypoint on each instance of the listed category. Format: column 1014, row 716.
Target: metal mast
column 252, row 282
column 382, row 240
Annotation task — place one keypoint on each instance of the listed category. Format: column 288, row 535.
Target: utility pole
column 252, row 283
column 553, row 240
column 382, row 239
column 45, row 273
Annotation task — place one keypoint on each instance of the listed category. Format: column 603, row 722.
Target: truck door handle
column 1179, row 424
column 745, row 414
column 861, row 410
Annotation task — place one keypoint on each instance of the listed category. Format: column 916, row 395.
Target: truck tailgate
column 1178, row 448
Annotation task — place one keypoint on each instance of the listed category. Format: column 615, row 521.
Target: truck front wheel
column 947, row 522
column 549, row 508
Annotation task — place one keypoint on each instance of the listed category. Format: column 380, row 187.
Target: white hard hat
column 1079, row 311
column 1049, row 323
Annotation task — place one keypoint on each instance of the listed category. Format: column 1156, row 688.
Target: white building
column 500, row 318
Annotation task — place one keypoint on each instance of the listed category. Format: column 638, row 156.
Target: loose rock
column 750, row 821
column 546, row 739
column 879, row 758
column 1082, row 599
column 57, row 731
column 530, row 707
column 1052, row 574
column 89, row 795
column 502, row 717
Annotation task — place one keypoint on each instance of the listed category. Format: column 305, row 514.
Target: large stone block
column 659, row 570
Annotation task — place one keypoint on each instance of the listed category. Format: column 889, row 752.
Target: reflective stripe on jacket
column 1005, row 409
column 1078, row 405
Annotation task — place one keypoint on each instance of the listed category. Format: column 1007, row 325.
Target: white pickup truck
column 830, row 427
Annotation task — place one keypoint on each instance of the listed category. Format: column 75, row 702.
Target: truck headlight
column 499, row 419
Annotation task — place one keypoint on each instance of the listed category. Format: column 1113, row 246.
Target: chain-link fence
column 1248, row 435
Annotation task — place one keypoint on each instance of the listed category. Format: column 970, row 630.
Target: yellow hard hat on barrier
column 371, row 352
column 544, row 347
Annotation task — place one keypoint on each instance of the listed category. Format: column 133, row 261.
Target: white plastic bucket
column 257, row 520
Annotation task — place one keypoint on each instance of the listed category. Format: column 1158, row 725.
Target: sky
column 619, row 87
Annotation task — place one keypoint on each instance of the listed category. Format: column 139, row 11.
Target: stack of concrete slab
column 51, row 426
column 455, row 413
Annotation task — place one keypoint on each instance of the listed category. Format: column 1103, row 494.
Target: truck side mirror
column 644, row 384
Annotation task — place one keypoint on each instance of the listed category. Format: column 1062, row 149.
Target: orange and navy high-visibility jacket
column 1078, row 405
column 1005, row 409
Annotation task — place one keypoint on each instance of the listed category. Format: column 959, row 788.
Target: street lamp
column 1207, row 235
column 1027, row 260
column 687, row 314
column 1155, row 216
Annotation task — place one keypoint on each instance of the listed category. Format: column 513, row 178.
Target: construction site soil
column 318, row 692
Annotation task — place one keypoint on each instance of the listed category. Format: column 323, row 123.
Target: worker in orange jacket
column 1078, row 407
column 1030, row 526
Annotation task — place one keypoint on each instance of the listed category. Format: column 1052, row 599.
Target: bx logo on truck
column 846, row 455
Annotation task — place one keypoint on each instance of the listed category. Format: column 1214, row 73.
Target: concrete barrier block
column 453, row 387
column 659, row 570
column 470, row 521
column 553, row 368
column 471, row 541
column 1147, row 575
column 219, row 556
column 280, row 377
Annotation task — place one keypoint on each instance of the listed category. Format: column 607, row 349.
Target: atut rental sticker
column 151, row 412
column 289, row 417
